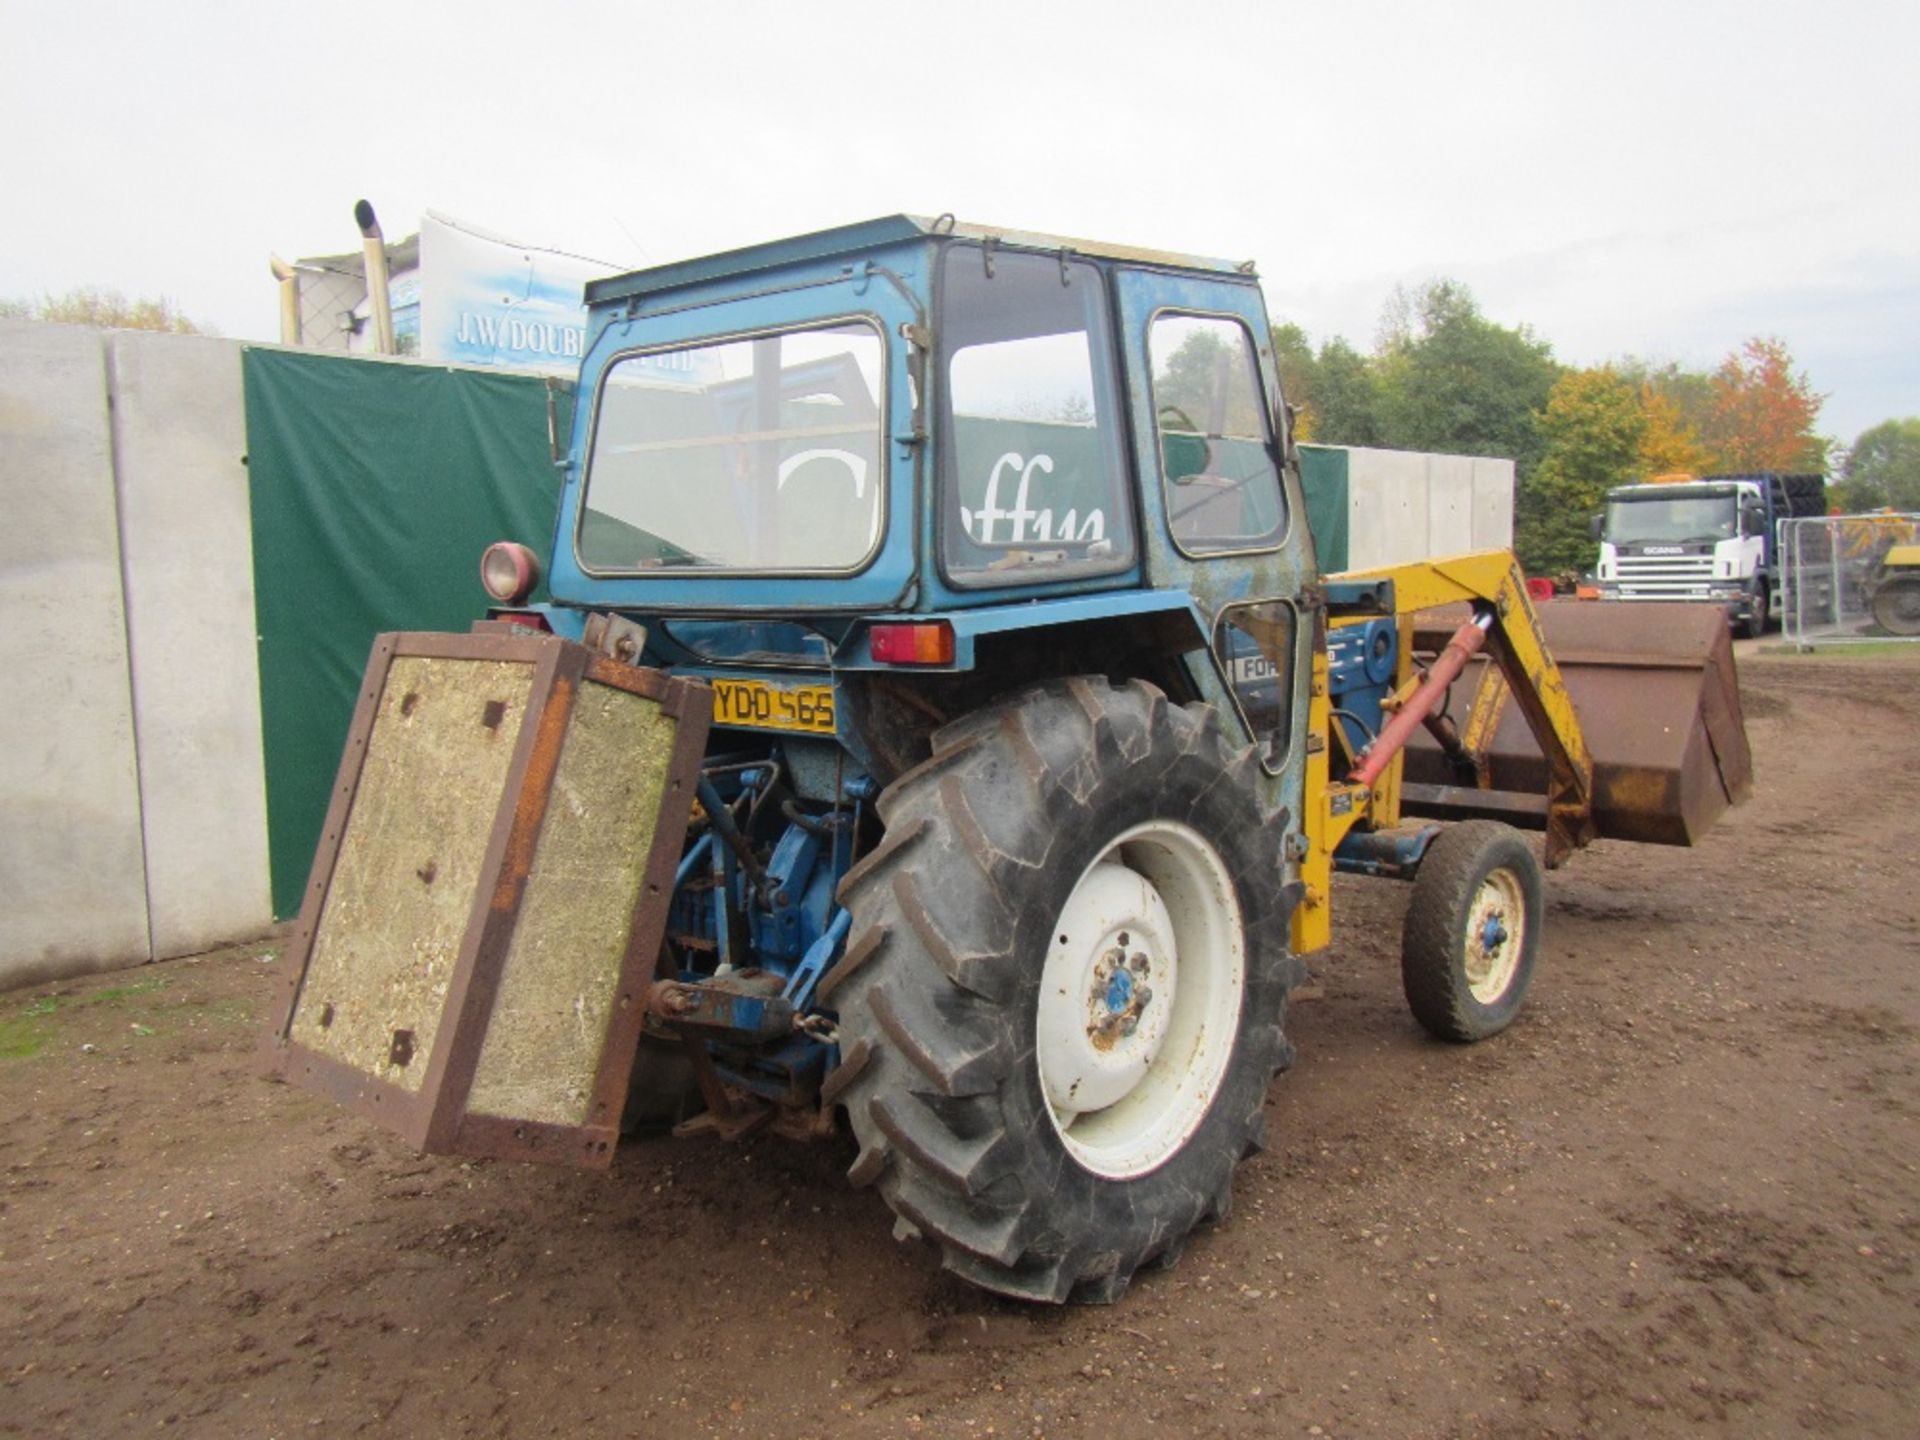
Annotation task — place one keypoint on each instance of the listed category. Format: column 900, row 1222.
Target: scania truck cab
column 1714, row 539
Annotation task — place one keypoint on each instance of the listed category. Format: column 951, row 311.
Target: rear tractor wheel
column 1472, row 931
column 1062, row 1000
column 1896, row 605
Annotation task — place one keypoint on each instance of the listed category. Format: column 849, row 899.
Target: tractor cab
column 898, row 454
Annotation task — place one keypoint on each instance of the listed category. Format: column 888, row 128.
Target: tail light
column 923, row 643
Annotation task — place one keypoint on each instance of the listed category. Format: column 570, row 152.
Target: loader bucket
column 1658, row 701
column 489, row 893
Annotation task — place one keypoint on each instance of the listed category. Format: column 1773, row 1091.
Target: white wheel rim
column 1140, row 999
column 1496, row 935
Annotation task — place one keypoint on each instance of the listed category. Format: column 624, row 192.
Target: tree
column 105, row 310
column 1595, row 429
column 1762, row 413
column 1196, row 374
column 1882, row 468
column 1293, row 353
column 1345, row 396
column 1450, row 380
column 1677, row 403
column 1671, row 444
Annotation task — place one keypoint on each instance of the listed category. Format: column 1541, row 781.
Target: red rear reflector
column 923, row 644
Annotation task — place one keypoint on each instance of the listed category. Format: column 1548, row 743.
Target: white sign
column 485, row 300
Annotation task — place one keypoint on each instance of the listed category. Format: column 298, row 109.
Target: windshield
column 761, row 453
column 1671, row 520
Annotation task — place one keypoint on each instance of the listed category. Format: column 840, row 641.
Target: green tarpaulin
column 1323, row 475
column 374, row 489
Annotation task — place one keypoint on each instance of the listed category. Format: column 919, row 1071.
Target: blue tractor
column 1006, row 737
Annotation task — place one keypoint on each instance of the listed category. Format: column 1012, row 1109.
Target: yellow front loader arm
column 1491, row 584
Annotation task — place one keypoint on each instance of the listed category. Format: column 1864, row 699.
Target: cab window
column 1216, row 447
column 758, row 453
column 1255, row 646
column 1033, row 468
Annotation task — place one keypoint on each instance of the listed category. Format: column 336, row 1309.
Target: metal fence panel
column 1834, row 569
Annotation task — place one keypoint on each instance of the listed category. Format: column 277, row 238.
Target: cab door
column 1222, row 516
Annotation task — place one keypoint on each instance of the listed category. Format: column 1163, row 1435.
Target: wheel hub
column 1139, row 999
column 1494, row 925
column 1493, row 932
column 1107, row 990
column 1121, row 994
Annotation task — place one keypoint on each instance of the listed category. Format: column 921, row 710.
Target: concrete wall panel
column 72, row 882
column 1403, row 505
column 1387, row 507
column 1449, row 504
column 180, row 441
column 1492, row 504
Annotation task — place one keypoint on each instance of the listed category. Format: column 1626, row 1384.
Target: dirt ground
column 1679, row 1197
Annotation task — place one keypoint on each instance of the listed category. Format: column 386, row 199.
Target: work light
column 509, row 571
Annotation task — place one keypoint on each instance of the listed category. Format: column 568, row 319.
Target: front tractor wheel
column 1062, row 1000
column 1472, row 931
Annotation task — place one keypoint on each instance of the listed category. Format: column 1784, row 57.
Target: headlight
column 509, row 571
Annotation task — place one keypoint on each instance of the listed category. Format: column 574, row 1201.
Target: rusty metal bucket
column 1659, row 704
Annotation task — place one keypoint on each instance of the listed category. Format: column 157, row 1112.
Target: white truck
column 1716, row 538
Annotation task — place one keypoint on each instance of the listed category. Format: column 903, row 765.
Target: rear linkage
column 757, row 1042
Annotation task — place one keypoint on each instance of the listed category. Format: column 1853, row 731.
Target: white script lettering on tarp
column 1025, row 524
column 856, row 465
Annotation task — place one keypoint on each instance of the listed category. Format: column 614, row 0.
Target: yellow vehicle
column 1896, row 592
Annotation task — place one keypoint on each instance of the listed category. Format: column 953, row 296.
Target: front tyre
column 1062, row 1000
column 1755, row 624
column 1472, row 931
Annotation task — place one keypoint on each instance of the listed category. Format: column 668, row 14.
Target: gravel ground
column 1678, row 1197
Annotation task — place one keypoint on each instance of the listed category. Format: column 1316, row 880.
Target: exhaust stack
column 376, row 254
column 289, row 300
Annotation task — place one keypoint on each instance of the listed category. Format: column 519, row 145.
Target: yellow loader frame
column 1491, row 583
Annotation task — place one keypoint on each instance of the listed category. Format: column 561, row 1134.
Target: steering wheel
column 1181, row 416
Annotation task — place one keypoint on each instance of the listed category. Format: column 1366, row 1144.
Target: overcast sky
column 1662, row 180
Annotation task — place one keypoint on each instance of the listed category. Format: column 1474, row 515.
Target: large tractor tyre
column 1896, row 605
column 1062, row 1001
column 1472, row 931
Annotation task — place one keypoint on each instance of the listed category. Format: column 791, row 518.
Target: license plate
column 758, row 705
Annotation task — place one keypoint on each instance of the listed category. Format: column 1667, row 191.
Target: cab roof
column 871, row 235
